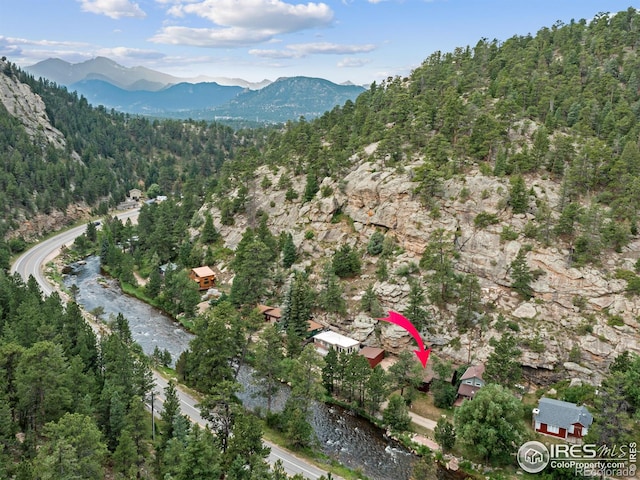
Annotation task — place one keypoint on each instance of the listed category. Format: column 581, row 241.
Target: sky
column 360, row 41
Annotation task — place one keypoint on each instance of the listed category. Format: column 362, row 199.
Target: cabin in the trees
column 135, row 194
column 560, row 419
column 271, row 314
column 470, row 382
column 203, row 276
column 429, row 375
column 325, row 341
column 163, row 269
column 374, row 355
column 314, row 328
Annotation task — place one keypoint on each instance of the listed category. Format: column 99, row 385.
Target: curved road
column 33, row 261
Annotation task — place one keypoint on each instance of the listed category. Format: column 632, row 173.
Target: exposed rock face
column 28, row 107
column 570, row 308
column 38, row 225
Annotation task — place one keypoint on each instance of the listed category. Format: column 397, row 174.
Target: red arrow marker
column 401, row 321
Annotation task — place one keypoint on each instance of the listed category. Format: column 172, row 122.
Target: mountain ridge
column 285, row 99
column 66, row 73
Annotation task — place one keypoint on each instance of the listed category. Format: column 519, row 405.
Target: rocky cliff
column 571, row 308
column 25, row 105
column 22, row 103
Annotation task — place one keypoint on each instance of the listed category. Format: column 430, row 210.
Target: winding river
column 350, row 440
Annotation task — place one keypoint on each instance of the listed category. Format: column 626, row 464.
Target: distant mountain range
column 139, row 90
column 127, row 78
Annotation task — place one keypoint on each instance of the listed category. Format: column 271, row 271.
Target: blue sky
column 348, row 40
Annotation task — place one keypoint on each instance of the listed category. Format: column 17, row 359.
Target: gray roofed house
column 561, row 419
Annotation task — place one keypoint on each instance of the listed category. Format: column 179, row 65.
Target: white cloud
column 40, row 43
column 274, row 15
column 301, row 50
column 113, row 8
column 211, row 37
column 352, row 62
column 239, row 23
column 275, row 54
column 242, row 23
column 33, row 51
column 125, row 53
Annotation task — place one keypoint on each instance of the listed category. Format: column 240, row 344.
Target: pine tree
column 330, row 371
column 438, row 256
column 346, row 262
column 269, row 357
column 170, row 409
column 370, row 303
column 469, row 304
column 289, row 252
column 445, row 434
column 154, row 285
column 330, row 298
column 252, row 265
column 311, row 187
column 415, row 310
column 503, row 365
column 518, row 195
column 209, row 232
column 521, row 275
column 297, row 312
column 376, row 242
column 396, row 415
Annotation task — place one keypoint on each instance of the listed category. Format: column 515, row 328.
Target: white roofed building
column 325, row 341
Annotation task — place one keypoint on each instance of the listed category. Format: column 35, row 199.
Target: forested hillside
column 104, row 155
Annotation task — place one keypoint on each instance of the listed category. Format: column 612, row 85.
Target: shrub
column 376, row 243
column 615, row 321
column 291, row 194
column 484, row 219
column 326, row 191
column 346, row 262
column 508, row 234
column 575, row 354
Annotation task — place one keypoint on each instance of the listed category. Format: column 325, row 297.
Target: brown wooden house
column 271, row 314
column 313, row 328
column 374, row 355
column 204, row 276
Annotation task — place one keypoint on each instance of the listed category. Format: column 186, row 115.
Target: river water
column 349, row 439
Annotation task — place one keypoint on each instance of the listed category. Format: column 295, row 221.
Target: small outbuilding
column 271, row 314
column 135, row 194
column 314, row 328
column 374, row 355
column 203, row 276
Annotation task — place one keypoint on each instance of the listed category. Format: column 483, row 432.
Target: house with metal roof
column 561, row 419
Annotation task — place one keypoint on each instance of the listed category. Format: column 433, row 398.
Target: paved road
column 33, row 261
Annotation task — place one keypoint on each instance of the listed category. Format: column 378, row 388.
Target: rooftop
column 203, row 271
column 475, row 371
column 313, row 325
column 334, row 338
column 371, row 352
column 562, row 414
